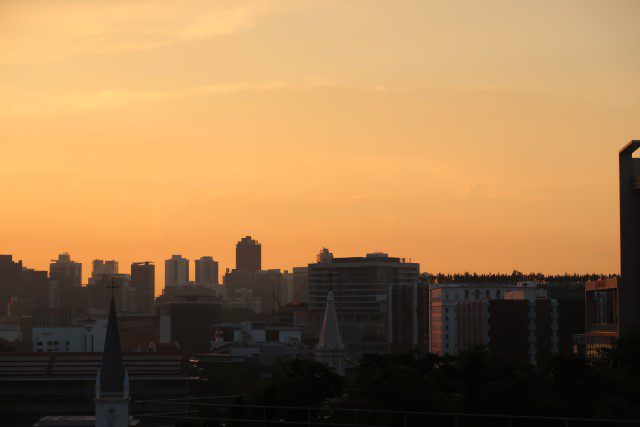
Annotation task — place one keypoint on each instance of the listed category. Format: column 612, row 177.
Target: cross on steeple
column 113, row 287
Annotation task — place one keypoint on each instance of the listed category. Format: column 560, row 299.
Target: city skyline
column 135, row 132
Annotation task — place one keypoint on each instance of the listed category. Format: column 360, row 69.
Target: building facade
column 365, row 291
column 143, row 280
column 444, row 300
column 522, row 325
column 65, row 271
column 629, row 285
column 248, row 255
column 176, row 271
column 206, row 271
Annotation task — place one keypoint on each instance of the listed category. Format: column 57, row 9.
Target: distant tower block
column 330, row 349
column 248, row 255
column 629, row 286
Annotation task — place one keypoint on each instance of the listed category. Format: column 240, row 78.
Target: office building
column 248, row 255
column 521, row 325
column 176, row 271
column 629, row 285
column 602, row 317
column 206, row 271
column 444, row 300
column 364, row 289
column 143, row 280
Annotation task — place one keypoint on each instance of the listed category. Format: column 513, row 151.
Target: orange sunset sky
column 475, row 135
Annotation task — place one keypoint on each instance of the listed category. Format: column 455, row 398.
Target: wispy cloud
column 70, row 102
column 55, row 30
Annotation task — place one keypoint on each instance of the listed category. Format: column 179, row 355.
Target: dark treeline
column 514, row 277
column 476, row 381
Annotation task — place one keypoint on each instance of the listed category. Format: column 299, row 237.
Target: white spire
column 330, row 333
column 126, row 383
column 98, row 384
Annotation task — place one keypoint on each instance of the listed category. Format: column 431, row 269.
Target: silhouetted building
column 176, row 271
column 100, row 291
column 143, row 280
column 444, row 300
column 206, row 271
column 9, row 279
column 629, row 285
column 239, row 278
column 21, row 289
column 269, row 283
column 300, row 291
column 104, row 267
column 65, row 271
column 51, row 318
column 522, row 325
column 365, row 289
column 191, row 323
column 571, row 312
column 248, row 255
column 602, row 317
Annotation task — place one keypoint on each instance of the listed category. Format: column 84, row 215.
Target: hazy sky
column 475, row 135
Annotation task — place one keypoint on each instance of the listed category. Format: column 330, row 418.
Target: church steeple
column 112, row 380
column 112, row 371
column 330, row 350
column 330, row 333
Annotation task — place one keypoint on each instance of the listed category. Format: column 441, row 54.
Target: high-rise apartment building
column 365, row 291
column 65, row 271
column 104, row 267
column 629, row 285
column 143, row 280
column 176, row 271
column 206, row 271
column 248, row 255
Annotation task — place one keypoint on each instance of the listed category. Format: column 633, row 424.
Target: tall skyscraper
column 629, row 285
column 248, row 255
column 176, row 271
column 206, row 271
column 143, row 280
column 65, row 271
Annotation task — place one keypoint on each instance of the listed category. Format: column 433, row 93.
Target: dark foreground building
column 629, row 285
column 191, row 323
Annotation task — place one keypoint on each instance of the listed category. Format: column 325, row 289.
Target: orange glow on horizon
column 467, row 136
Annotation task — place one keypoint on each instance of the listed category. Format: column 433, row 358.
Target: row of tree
column 476, row 381
column 514, row 277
